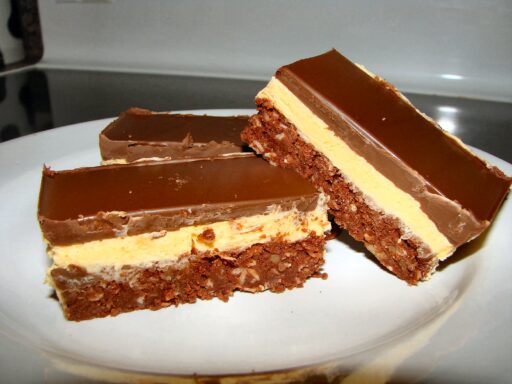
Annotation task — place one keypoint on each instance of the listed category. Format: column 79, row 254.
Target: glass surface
column 37, row 100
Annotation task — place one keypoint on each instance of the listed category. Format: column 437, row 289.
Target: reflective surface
column 37, row 100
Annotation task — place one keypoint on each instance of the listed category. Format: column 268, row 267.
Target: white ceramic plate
column 361, row 318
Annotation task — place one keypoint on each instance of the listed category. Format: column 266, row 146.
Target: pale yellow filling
column 380, row 191
column 113, row 161
column 124, row 161
column 167, row 247
column 168, row 158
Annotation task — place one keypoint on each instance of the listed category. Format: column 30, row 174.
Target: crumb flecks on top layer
column 380, row 191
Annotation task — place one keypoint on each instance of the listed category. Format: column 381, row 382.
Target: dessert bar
column 140, row 134
column 411, row 192
column 155, row 234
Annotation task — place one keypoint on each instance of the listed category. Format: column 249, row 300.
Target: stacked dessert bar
column 194, row 215
column 411, row 192
column 148, row 235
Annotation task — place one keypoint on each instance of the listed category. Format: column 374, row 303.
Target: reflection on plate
column 361, row 318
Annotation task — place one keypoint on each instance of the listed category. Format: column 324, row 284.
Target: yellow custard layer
column 167, row 247
column 381, row 193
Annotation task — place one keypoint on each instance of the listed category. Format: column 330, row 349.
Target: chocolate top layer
column 139, row 133
column 378, row 113
column 93, row 203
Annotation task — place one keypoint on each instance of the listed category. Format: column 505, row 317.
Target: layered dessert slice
column 139, row 134
column 155, row 234
column 395, row 180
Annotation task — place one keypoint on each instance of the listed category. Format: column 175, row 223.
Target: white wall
column 412, row 43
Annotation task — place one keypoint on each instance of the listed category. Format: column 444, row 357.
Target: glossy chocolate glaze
column 458, row 190
column 140, row 133
column 103, row 202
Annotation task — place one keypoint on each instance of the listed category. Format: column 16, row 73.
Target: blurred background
column 67, row 61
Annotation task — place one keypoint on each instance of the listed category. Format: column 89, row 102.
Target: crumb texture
column 275, row 266
column 269, row 133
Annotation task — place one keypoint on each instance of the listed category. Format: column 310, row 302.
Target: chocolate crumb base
column 275, row 266
column 269, row 133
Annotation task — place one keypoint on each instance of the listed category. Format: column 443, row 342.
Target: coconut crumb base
column 270, row 134
column 275, row 266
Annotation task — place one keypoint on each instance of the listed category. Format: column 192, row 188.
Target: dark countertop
column 36, row 100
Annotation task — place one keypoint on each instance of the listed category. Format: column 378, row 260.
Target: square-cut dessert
column 155, row 234
column 411, row 192
column 139, row 134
